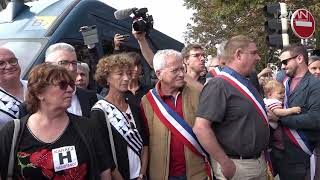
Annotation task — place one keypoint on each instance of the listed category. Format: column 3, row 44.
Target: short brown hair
column 296, row 49
column 40, row 77
column 271, row 85
column 186, row 50
column 108, row 63
column 236, row 42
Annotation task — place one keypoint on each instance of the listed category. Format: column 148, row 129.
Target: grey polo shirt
column 236, row 123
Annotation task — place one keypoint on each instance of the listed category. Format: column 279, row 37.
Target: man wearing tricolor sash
column 294, row 158
column 231, row 123
column 169, row 110
column 12, row 89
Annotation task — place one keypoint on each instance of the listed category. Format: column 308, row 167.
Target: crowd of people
column 224, row 122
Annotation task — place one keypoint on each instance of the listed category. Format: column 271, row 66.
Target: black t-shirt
column 79, row 155
column 38, row 160
column 237, row 125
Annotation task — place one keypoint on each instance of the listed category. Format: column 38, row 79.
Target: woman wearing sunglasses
column 119, row 120
column 51, row 143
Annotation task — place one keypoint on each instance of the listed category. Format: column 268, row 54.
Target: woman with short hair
column 119, row 120
column 52, row 143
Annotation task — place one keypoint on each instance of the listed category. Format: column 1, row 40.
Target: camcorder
column 142, row 21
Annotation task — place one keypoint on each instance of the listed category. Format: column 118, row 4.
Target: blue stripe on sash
column 176, row 116
column 246, row 83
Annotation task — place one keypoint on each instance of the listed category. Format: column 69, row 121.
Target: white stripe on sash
column 247, row 91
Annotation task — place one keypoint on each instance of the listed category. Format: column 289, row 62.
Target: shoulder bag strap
column 111, row 139
column 13, row 144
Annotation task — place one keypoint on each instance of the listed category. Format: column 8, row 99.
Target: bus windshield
column 26, row 51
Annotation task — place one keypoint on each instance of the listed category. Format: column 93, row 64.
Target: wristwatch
column 142, row 176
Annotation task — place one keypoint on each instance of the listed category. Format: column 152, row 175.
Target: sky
column 170, row 16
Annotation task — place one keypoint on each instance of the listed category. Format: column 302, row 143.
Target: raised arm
column 144, row 46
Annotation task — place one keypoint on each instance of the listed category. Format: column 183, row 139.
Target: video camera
column 142, row 21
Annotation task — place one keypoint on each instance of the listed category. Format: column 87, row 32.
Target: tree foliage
column 217, row 20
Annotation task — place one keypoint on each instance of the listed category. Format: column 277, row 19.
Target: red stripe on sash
column 248, row 97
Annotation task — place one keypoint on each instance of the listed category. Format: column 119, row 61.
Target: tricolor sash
column 215, row 71
column 247, row 90
column 178, row 127
column 297, row 137
column 121, row 124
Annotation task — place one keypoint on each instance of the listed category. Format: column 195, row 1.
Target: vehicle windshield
column 25, row 51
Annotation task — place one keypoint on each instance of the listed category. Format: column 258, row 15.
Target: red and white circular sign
column 302, row 23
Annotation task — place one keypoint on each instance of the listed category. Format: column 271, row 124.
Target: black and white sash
column 122, row 125
column 9, row 105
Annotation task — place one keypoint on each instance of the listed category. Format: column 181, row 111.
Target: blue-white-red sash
column 247, row 91
column 297, row 137
column 215, row 71
column 178, row 126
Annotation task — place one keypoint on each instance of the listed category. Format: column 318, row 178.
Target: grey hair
column 83, row 67
column 59, row 46
column 160, row 58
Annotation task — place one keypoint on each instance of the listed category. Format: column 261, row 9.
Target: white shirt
column 75, row 107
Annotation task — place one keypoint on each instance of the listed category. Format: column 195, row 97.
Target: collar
column 162, row 95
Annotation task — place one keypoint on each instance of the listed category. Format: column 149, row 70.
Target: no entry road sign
column 302, row 23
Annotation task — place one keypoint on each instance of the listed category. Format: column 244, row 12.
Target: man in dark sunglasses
column 12, row 88
column 64, row 55
column 300, row 133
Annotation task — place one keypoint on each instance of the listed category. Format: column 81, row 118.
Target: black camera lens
column 139, row 25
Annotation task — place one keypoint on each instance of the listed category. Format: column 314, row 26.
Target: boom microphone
column 123, row 13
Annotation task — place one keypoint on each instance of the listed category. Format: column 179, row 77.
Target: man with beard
column 169, row 111
column 12, row 89
column 291, row 151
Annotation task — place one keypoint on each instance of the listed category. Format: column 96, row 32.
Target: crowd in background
column 224, row 121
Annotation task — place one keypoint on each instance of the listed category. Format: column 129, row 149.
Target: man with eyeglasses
column 194, row 58
column 64, row 55
column 12, row 88
column 231, row 121
column 169, row 112
column 300, row 133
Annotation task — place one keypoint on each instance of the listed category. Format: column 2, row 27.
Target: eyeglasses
column 12, row 62
column 63, row 85
column 198, row 55
column 66, row 63
column 285, row 61
column 177, row 70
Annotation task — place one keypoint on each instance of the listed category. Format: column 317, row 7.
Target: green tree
column 217, row 20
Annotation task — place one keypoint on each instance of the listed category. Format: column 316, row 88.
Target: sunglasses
column 63, row 85
column 285, row 61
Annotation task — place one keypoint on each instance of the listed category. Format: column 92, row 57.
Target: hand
column 271, row 115
column 228, row 168
column 264, row 72
column 117, row 40
column 140, row 36
column 296, row 110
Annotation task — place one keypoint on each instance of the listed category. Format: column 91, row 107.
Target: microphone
column 123, row 13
